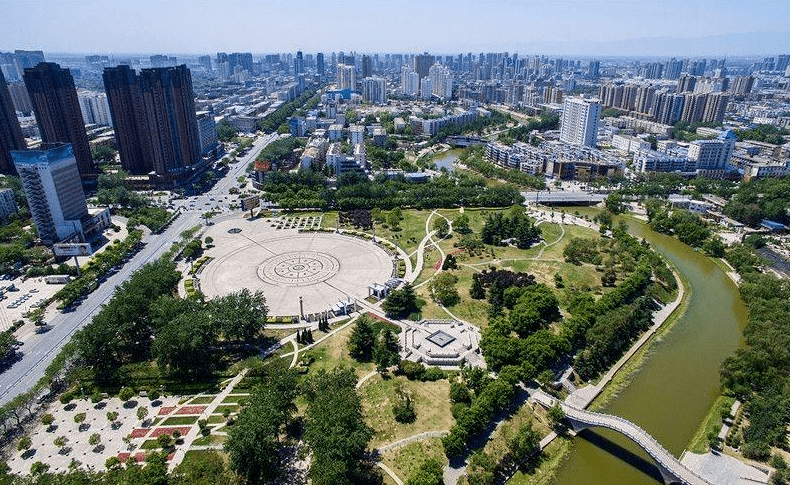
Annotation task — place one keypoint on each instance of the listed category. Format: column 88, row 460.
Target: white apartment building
column 409, row 81
column 95, row 108
column 713, row 156
column 629, row 144
column 426, row 88
column 579, row 124
column 441, row 81
column 356, row 134
column 374, row 90
column 346, row 77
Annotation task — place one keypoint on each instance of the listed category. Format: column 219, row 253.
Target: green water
column 674, row 389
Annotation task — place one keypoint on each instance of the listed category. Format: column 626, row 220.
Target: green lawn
column 179, row 420
column 202, row 400
column 431, row 404
column 406, row 460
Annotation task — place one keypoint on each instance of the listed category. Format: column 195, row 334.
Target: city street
column 41, row 349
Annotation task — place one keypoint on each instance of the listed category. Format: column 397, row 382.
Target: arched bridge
column 670, row 467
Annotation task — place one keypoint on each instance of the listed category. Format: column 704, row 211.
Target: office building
column 10, row 132
column 159, row 60
column 319, row 63
column 374, row 90
column 207, row 129
column 422, row 64
column 594, row 70
column 205, row 61
column 580, row 121
column 346, row 77
column 298, row 64
column 57, row 108
column 367, row 67
column 743, row 85
column 51, row 180
column 7, row 203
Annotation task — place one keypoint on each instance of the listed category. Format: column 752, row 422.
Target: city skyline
column 586, row 28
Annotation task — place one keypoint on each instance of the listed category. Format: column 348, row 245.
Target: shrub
column 96, row 397
column 79, row 418
column 433, row 374
column 126, row 394
column 403, row 410
column 24, row 443
column 47, row 419
column 66, row 398
column 94, row 439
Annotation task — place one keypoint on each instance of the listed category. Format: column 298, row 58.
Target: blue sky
column 564, row 26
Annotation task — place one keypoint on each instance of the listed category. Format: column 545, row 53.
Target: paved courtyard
column 321, row 268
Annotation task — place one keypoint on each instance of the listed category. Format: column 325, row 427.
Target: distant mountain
column 736, row 44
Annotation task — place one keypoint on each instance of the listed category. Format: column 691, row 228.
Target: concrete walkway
column 190, row 437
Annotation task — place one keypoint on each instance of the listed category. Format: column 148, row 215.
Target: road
column 41, row 349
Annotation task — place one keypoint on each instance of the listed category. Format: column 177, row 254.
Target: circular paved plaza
column 322, row 268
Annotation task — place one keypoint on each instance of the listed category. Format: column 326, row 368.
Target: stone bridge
column 672, row 471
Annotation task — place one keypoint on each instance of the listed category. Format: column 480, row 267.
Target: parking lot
column 26, row 296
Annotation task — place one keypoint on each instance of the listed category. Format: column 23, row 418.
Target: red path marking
column 160, row 431
column 166, row 410
column 191, row 410
column 140, row 432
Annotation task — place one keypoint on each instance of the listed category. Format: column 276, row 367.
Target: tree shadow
column 84, row 427
column 645, row 466
column 130, row 404
column 29, row 453
column 69, row 407
column 100, row 405
column 52, row 428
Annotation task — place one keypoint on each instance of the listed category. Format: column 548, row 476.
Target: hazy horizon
column 565, row 27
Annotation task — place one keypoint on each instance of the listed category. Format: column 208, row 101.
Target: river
column 673, row 390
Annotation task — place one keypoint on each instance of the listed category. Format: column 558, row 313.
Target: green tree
column 400, row 302
column 714, row 247
column 253, row 441
column 523, row 443
column 335, row 429
column 441, row 226
column 183, row 346
column 142, row 412
column 47, row 419
column 430, row 472
column 362, row 339
column 614, row 203
column 225, row 131
column 240, row 315
column 103, row 153
column 94, row 439
column 443, row 289
column 556, row 417
column 385, row 350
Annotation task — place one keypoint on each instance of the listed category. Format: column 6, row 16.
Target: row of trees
column 759, row 373
column 271, row 123
column 311, row 190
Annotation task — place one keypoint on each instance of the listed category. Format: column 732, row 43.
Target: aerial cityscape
column 456, row 242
